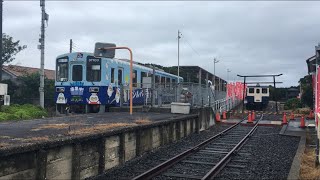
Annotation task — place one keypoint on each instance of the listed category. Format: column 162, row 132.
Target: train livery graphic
column 86, row 81
column 257, row 97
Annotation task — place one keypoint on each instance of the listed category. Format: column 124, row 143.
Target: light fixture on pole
column 179, row 33
column 214, row 72
column 228, row 70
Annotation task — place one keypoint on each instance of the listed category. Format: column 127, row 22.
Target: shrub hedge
column 22, row 112
column 293, row 104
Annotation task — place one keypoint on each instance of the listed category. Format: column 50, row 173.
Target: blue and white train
column 257, row 97
column 89, row 84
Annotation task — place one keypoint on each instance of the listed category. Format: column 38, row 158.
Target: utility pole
column 179, row 55
column 44, row 17
column 70, row 45
column 1, row 9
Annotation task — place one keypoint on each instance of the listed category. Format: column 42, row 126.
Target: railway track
column 208, row 158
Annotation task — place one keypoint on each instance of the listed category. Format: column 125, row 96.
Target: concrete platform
column 293, row 128
column 14, row 133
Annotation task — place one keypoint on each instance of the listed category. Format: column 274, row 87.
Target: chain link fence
column 161, row 95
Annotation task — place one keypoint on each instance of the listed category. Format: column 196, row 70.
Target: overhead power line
column 186, row 41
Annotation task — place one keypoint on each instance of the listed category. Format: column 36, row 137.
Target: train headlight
column 94, row 89
column 60, row 89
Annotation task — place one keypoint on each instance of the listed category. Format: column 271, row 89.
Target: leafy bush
column 22, row 112
column 292, row 103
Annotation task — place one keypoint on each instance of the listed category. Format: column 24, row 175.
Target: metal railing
column 163, row 94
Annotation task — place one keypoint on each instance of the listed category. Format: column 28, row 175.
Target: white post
column 178, row 55
column 42, row 40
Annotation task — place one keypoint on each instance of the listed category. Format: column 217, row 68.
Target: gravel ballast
column 266, row 155
column 271, row 156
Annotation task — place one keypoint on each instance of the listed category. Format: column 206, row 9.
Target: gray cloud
column 247, row 37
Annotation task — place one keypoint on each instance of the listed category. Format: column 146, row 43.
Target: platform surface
column 293, row 127
column 28, row 131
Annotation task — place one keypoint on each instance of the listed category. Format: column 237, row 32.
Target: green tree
column 10, row 49
column 26, row 90
column 307, row 97
column 293, row 104
column 280, row 94
column 307, row 91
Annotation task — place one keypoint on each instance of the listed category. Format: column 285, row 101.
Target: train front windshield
column 62, row 69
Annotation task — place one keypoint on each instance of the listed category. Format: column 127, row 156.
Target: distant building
column 194, row 74
column 293, row 93
column 12, row 72
column 311, row 64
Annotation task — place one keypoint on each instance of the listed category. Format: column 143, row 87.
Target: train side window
column 119, row 76
column 143, row 74
column 163, row 79
column 258, row 91
column 112, row 75
column 134, row 78
column 168, row 82
column 62, row 72
column 251, row 90
column 157, row 79
column 93, row 69
column 173, row 81
column 264, row 90
column 77, row 73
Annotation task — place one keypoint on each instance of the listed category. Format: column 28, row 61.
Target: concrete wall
column 90, row 155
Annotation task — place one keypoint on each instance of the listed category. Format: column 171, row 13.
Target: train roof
column 126, row 61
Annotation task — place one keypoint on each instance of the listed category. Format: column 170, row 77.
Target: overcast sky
column 247, row 37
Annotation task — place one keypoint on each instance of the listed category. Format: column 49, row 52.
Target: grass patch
column 308, row 169
column 5, row 137
column 42, row 138
column 3, row 145
column 22, row 112
column 304, row 111
column 99, row 128
column 51, row 126
column 58, row 126
column 142, row 121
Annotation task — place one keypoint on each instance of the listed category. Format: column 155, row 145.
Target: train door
column 134, row 78
column 77, row 72
column 120, row 76
column 77, row 91
column 112, row 75
column 258, row 96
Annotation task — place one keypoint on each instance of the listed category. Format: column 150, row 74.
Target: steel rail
column 224, row 161
column 167, row 164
